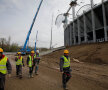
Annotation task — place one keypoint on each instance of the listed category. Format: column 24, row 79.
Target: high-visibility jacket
column 66, row 62
column 19, row 61
column 30, row 60
column 36, row 55
column 3, row 68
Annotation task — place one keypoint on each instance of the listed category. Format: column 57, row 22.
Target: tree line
column 13, row 47
column 8, row 46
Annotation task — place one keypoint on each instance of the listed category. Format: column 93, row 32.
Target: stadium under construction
column 89, row 27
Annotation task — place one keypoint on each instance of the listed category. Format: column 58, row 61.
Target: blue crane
column 25, row 48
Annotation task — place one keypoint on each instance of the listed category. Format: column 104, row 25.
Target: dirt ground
column 86, row 74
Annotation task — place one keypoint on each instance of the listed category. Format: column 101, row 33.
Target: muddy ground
column 90, row 73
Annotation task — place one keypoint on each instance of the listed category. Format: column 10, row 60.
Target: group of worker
column 5, row 65
column 32, row 62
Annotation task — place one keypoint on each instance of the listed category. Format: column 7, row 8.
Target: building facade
column 90, row 27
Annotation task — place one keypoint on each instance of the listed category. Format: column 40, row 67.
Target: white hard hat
column 37, row 51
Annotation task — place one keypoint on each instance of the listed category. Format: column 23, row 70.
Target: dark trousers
column 31, row 70
column 65, row 78
column 19, row 70
column 2, row 82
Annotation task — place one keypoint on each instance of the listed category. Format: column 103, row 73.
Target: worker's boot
column 20, row 76
column 36, row 73
column 64, row 86
column 17, row 74
column 31, row 75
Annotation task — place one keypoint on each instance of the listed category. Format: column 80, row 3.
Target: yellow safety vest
column 19, row 61
column 36, row 56
column 66, row 62
column 30, row 60
column 3, row 68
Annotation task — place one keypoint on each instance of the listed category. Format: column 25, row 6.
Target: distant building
column 90, row 27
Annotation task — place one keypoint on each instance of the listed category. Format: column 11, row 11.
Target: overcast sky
column 16, row 17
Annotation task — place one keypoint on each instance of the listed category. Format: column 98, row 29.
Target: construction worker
column 37, row 60
column 65, row 68
column 30, row 63
column 4, row 67
column 19, row 64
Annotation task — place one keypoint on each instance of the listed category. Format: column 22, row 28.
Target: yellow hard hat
column 66, row 51
column 32, row 52
column 19, row 52
column 1, row 50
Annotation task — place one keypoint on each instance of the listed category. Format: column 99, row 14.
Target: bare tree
column 2, row 42
column 9, row 42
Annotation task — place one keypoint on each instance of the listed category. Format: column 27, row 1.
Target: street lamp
column 92, row 3
column 62, row 18
column 51, row 32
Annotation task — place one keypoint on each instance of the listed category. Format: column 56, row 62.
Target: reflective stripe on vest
column 19, row 61
column 3, row 68
column 66, row 62
column 30, row 61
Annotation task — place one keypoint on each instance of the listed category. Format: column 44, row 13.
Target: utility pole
column 36, row 42
column 51, row 32
column 92, row 3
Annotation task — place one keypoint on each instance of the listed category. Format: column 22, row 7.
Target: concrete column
column 93, row 21
column 104, row 20
column 68, row 36
column 85, row 27
column 79, row 38
column 70, row 27
column 66, row 21
column 64, row 37
column 74, row 33
column 93, row 25
column 73, row 10
column 72, row 36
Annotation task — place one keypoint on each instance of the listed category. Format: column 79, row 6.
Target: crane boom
column 23, row 50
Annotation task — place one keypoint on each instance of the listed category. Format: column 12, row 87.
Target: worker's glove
column 9, row 75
